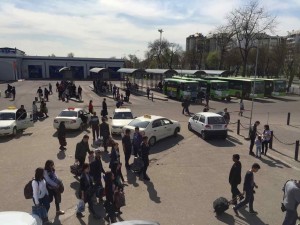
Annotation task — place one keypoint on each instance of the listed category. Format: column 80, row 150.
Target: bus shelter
column 196, row 73
column 100, row 76
column 155, row 77
column 217, row 73
column 131, row 76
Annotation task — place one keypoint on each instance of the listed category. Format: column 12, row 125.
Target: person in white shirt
column 40, row 192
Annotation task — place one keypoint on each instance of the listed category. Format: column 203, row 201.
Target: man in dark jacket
column 127, row 147
column 104, row 132
column 94, row 123
column 127, row 94
column 252, row 135
column 96, row 168
column 81, row 149
column 145, row 156
column 104, row 112
column 248, row 189
column 235, row 177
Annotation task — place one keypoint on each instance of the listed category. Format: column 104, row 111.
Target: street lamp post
column 160, row 39
column 253, row 94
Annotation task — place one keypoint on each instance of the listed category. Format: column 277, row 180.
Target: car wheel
column 190, row 127
column 14, row 133
column 176, row 132
column 152, row 141
column 203, row 135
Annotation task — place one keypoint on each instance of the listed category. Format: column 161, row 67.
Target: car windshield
column 139, row 123
column 123, row 116
column 7, row 116
column 68, row 114
column 216, row 120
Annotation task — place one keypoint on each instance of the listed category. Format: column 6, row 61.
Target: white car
column 154, row 127
column 10, row 124
column 19, row 218
column 136, row 222
column 121, row 117
column 72, row 118
column 208, row 124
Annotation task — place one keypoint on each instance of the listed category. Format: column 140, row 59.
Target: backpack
column 28, row 190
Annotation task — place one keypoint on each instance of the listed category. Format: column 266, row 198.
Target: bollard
column 152, row 96
column 296, row 150
column 271, row 141
column 238, row 127
column 288, row 119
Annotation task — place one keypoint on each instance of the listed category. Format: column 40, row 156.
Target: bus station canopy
column 64, row 69
column 216, row 72
column 191, row 72
column 160, row 71
column 100, row 70
column 130, row 70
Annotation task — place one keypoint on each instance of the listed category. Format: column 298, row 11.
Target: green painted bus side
column 180, row 89
column 275, row 87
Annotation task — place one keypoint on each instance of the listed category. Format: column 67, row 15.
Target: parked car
column 121, row 117
column 19, row 218
column 154, row 127
column 10, row 124
column 208, row 124
column 74, row 118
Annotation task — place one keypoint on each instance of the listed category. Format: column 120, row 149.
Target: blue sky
column 106, row 28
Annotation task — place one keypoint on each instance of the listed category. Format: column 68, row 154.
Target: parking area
column 187, row 173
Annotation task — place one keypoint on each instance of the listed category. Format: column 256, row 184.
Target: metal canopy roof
column 64, row 69
column 161, row 71
column 130, row 70
column 215, row 72
column 191, row 72
column 99, row 69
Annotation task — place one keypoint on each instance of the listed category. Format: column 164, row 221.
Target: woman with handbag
column 54, row 185
column 61, row 135
column 40, row 195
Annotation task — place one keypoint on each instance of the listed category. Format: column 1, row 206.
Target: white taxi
column 154, row 127
column 121, row 117
column 10, row 124
column 19, row 218
column 74, row 118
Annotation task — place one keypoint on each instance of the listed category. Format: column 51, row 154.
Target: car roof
column 208, row 114
column 19, row 218
column 9, row 110
column 136, row 222
column 149, row 117
column 73, row 109
column 122, row 110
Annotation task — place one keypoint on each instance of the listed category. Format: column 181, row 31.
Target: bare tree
column 156, row 48
column 247, row 23
column 70, row 55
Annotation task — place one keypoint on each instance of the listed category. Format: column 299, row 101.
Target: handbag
column 40, row 211
column 119, row 199
column 81, row 206
column 75, row 169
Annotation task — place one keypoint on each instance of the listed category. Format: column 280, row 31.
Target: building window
column 35, row 71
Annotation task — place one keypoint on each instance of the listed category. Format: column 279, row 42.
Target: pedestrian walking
column 67, row 93
column 291, row 200
column 96, row 169
column 104, row 133
column 226, row 116
column 91, row 107
column 127, row 147
column 13, row 92
column 206, row 108
column 145, row 148
column 21, row 113
column 82, row 148
column 104, row 112
column 86, row 191
column 248, row 189
column 44, row 109
column 61, row 135
column 50, row 89
column 186, row 105
column 53, row 184
column 94, row 124
column 242, row 108
column 258, row 143
column 109, row 205
column 57, row 85
column 252, row 135
column 79, row 91
column 40, row 93
column 235, row 178
column 148, row 92
column 207, row 98
column 114, row 91
column 34, row 112
column 266, row 138
column 127, row 94
column 40, row 192
column 137, row 141
column 46, row 94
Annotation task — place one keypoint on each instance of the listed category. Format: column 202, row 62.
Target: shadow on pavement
column 249, row 218
column 56, row 221
column 273, row 162
column 165, row 144
column 73, row 133
column 284, row 99
column 226, row 219
column 221, row 143
column 152, row 192
column 275, row 150
column 75, row 185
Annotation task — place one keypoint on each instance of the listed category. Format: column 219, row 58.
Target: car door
column 25, row 123
column 168, row 128
column 195, row 123
column 201, row 123
column 157, row 129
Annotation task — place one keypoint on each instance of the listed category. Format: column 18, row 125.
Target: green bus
column 275, row 87
column 218, row 89
column 243, row 87
column 180, row 89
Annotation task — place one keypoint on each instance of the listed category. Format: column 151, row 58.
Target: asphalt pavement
column 187, row 173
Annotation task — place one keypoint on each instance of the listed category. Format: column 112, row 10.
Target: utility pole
column 160, row 39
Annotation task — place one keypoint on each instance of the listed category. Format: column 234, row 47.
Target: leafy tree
column 212, row 60
column 71, row 55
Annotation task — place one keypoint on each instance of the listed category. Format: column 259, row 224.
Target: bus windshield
column 259, row 87
column 222, row 86
column 190, row 87
column 279, row 86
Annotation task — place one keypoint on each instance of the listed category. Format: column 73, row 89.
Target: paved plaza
column 187, row 173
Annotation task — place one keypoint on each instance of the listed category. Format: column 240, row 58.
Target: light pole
column 160, row 31
column 160, row 39
column 253, row 94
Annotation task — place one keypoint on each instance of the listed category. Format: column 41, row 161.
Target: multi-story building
column 195, row 42
column 292, row 44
